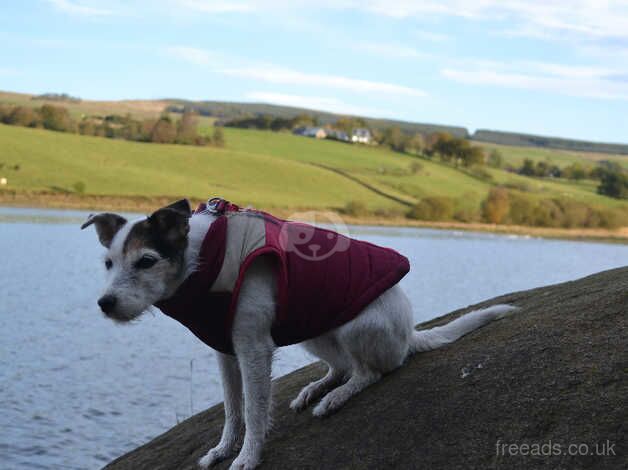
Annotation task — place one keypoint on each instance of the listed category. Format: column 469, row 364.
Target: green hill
column 265, row 169
column 221, row 110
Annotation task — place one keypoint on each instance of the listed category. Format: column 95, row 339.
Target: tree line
column 613, row 179
column 504, row 206
column 162, row 130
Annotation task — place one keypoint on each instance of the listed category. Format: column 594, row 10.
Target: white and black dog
column 147, row 261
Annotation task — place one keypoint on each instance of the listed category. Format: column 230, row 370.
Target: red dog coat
column 324, row 279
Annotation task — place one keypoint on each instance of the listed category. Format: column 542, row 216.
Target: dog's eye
column 145, row 262
column 108, row 264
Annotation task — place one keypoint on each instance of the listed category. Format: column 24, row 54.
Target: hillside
column 553, row 373
column 221, row 110
column 529, row 140
column 265, row 169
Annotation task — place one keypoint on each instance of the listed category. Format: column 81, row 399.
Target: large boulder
column 552, row 377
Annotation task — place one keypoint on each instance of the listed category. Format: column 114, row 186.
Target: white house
column 361, row 136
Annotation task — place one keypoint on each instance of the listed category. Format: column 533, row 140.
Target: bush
column 433, row 208
column 496, row 206
column 218, row 137
column 466, row 215
column 5, row 112
column 23, row 116
column 355, row 208
column 522, row 210
column 164, row 131
column 614, row 183
column 495, row 159
column 56, row 118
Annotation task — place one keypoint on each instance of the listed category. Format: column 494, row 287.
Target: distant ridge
column 223, row 110
column 231, row 110
column 531, row 140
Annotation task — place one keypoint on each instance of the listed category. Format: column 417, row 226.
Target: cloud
column 538, row 18
column 218, row 6
column 271, row 73
column 389, row 50
column 315, row 102
column 79, row 9
column 580, row 81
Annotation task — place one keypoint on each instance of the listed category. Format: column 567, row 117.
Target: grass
column 266, row 169
column 562, row 158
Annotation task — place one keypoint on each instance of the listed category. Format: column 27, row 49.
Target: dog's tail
column 426, row 340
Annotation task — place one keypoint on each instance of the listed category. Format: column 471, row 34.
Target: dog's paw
column 244, row 462
column 214, row 456
column 329, row 404
column 304, row 398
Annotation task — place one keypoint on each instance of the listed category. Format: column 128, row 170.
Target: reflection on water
column 77, row 390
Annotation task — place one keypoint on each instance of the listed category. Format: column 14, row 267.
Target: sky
column 550, row 67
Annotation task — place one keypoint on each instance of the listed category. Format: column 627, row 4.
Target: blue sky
column 550, row 67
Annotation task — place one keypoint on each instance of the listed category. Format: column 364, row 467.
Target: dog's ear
column 182, row 206
column 107, row 225
column 171, row 224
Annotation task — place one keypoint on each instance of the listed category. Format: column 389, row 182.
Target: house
column 337, row 135
column 361, row 136
column 315, row 132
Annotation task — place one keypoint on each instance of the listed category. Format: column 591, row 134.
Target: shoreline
column 57, row 200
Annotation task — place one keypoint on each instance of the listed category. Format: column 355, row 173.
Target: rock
column 553, row 376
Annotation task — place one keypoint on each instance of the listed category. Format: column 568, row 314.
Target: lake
column 77, row 391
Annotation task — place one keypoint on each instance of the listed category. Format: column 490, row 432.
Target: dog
column 155, row 259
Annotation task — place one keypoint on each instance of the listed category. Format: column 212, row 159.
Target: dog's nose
column 107, row 303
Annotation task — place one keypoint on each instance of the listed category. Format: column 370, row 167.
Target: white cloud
column 389, row 50
column 75, row 8
column 271, row 73
column 582, row 81
column 192, row 55
column 218, row 6
column 539, row 18
column 318, row 103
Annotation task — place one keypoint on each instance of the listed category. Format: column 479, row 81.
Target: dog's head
column 145, row 259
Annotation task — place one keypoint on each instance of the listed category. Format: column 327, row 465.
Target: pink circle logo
column 313, row 243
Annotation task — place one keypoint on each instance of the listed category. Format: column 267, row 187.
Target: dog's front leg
column 255, row 361
column 232, row 389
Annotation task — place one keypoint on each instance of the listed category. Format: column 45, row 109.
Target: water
column 77, row 391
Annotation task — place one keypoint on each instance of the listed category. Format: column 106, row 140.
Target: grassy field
column 273, row 170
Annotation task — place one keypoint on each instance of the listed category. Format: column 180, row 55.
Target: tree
column 444, row 146
column 348, row 124
column 614, row 184
column 528, row 168
column 57, row 118
column 470, row 155
column 164, row 131
column 395, row 139
column 187, row 128
column 496, row 206
column 415, row 143
column 218, row 137
column 575, row 171
column 23, row 116
column 495, row 159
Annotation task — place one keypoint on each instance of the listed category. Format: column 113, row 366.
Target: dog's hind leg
column 232, row 388
column 377, row 341
column 326, row 348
